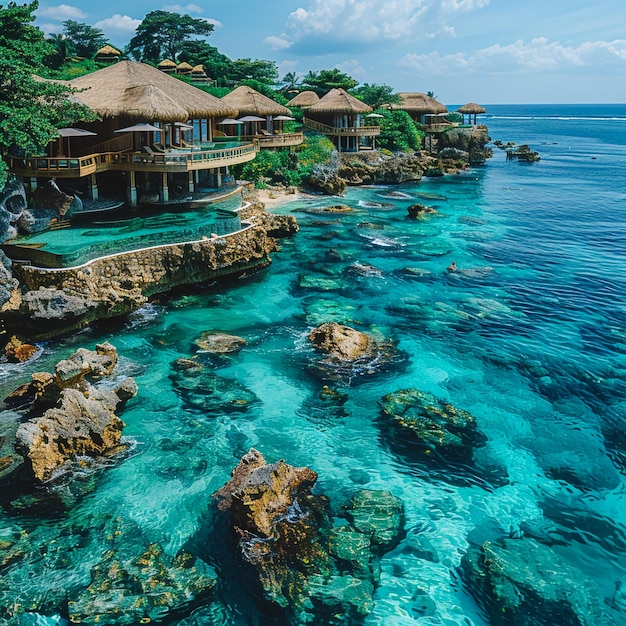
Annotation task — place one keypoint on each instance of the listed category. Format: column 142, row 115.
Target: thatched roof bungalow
column 339, row 115
column 418, row 105
column 268, row 125
column 167, row 66
column 304, row 100
column 151, row 123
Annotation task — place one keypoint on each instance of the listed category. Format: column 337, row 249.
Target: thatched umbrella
column 471, row 108
column 304, row 100
column 418, row 104
column 111, row 90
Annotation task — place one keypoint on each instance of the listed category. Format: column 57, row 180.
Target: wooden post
column 190, row 181
column 165, row 193
column 132, row 188
column 93, row 187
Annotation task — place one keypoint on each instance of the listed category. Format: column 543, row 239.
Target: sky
column 485, row 51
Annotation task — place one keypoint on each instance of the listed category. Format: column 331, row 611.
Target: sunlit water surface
column 529, row 335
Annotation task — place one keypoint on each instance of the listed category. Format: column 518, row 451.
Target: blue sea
column 528, row 335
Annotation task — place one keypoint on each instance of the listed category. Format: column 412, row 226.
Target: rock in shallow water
column 523, row 582
column 316, row 573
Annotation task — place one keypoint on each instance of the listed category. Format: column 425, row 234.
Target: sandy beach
column 273, row 197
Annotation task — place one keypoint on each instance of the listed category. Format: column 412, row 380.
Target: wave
column 562, row 118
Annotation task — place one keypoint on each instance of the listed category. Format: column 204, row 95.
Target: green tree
column 323, row 81
column 61, row 50
column 31, row 110
column 198, row 52
column 290, row 82
column 86, row 39
column 162, row 34
column 262, row 71
column 398, row 132
column 376, row 95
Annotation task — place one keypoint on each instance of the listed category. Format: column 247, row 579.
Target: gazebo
column 418, row 104
column 469, row 109
column 338, row 115
column 304, row 100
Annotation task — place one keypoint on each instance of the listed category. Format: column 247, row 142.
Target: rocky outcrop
column 417, row 210
column 316, row 572
column 12, row 205
column 58, row 301
column 522, row 581
column 471, row 141
column 340, row 342
column 18, row 351
column 8, row 284
column 69, row 415
column 49, row 196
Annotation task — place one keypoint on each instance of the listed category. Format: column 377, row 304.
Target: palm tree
column 62, row 49
column 291, row 82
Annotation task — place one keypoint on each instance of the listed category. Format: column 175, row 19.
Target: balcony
column 187, row 159
column 335, row 131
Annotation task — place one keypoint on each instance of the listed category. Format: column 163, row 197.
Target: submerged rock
column 202, row 390
column 520, row 581
column 315, row 573
column 219, row 343
column 418, row 210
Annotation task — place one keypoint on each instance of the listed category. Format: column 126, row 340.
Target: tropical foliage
column 376, row 95
column 323, row 81
column 162, row 34
column 31, row 110
column 398, row 132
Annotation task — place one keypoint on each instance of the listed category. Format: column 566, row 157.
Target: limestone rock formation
column 219, row 343
column 8, row 284
column 522, row 581
column 18, row 351
column 69, row 416
column 419, row 210
column 341, row 342
column 316, row 573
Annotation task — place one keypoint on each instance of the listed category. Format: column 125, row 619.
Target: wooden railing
column 178, row 160
column 349, row 131
column 118, row 144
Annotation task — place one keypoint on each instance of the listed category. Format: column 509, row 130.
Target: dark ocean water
column 529, row 335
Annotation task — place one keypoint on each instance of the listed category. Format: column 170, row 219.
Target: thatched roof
column 139, row 91
column 339, row 101
column 198, row 69
column 108, row 51
column 416, row 102
column 250, row 102
column 167, row 64
column 471, row 108
column 304, row 100
column 184, row 68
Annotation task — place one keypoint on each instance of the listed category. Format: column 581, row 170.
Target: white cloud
column 352, row 68
column 118, row 26
column 187, row 8
column 212, row 20
column 62, row 12
column 50, row 29
column 521, row 57
column 278, row 43
column 372, row 20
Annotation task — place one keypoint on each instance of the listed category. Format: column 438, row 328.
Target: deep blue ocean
column 528, row 335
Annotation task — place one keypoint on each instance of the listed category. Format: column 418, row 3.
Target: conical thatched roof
column 167, row 65
column 199, row 70
column 416, row 102
column 108, row 51
column 339, row 101
column 304, row 100
column 471, row 108
column 184, row 68
column 150, row 94
column 250, row 102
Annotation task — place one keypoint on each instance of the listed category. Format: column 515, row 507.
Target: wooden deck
column 335, row 131
column 173, row 160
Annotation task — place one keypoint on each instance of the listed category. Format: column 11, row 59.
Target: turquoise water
column 529, row 335
column 137, row 228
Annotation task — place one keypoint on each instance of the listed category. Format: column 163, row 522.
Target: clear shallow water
column 529, row 336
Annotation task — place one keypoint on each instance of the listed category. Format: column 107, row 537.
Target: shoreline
column 273, row 197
